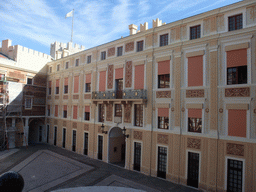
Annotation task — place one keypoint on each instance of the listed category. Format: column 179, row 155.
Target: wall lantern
column 102, row 129
column 124, row 133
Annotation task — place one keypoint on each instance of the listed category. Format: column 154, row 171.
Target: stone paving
column 50, row 168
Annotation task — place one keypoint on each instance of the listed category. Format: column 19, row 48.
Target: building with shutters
column 184, row 91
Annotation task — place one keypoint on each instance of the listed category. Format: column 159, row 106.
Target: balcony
column 128, row 95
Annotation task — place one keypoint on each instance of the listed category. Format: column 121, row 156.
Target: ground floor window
column 235, row 176
column 86, row 143
column 74, row 141
column 55, row 136
column 40, row 133
column 64, row 138
column 100, row 146
column 137, row 156
column 193, row 169
column 161, row 162
column 47, row 134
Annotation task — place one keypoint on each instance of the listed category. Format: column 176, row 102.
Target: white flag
column 70, row 14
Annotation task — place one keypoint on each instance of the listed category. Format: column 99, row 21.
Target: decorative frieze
column 237, row 92
column 235, row 149
column 87, row 96
column 128, row 74
column 55, row 122
column 74, row 125
column 197, row 93
column 251, row 15
column 49, row 97
column 163, row 94
column 57, row 96
column 75, row 96
column 137, row 135
column 65, row 96
column 127, row 113
column 194, row 143
column 162, row 139
column 110, row 76
column 111, row 51
column 47, row 120
column 129, row 46
column 64, row 123
column 86, row 127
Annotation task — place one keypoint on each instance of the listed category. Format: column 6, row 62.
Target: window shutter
column 102, row 83
column 139, row 77
column 237, row 58
column 163, row 112
column 119, row 73
column 76, row 84
column 88, row 78
column 237, row 122
column 164, row 67
column 195, row 113
column 195, row 71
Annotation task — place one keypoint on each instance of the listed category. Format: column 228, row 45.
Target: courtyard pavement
column 49, row 168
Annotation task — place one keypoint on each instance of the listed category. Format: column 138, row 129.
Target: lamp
column 102, row 129
column 124, row 133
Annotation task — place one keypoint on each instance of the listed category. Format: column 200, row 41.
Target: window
column 29, row 81
column 103, row 55
column 65, row 111
column 40, row 133
column 58, row 67
column 76, row 84
column 66, row 85
column 195, row 120
column 235, row 22
column 89, row 59
column 50, row 88
column 163, row 40
column 66, row 65
column 237, row 67
column 74, row 141
column 237, row 124
column 50, row 69
column 49, row 110
column 28, row 103
column 118, row 110
column 86, row 142
column 195, row 74
column 101, row 112
column 163, row 122
column 87, row 87
column 162, row 162
column 75, row 112
column 164, row 81
column 139, row 46
column 56, row 112
column 87, row 113
column 195, row 32
column 55, row 136
column 57, row 87
column 119, row 51
column 138, row 119
column 2, row 77
column 77, row 62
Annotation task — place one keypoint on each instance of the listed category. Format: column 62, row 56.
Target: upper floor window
column 87, row 87
column 235, row 22
column 139, row 46
column 77, row 62
column 195, row 120
column 50, row 88
column 50, row 69
column 138, row 115
column 89, row 59
column 66, row 65
column 164, row 74
column 119, row 51
column 48, row 110
column 163, row 118
column 66, row 85
column 65, row 111
column 2, row 77
column 58, row 67
column 164, row 81
column 118, row 110
column 195, row 74
column 195, row 32
column 28, row 103
column 237, row 67
column 103, row 55
column 29, row 81
column 87, row 113
column 57, row 86
column 163, row 40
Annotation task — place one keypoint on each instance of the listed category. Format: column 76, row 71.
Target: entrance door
column 85, row 143
column 161, row 165
column 40, row 133
column 137, row 156
column 100, row 146
column 123, row 152
column 64, row 138
column 55, row 136
column 193, row 169
column 74, row 141
column 235, row 176
column 47, row 134
column 119, row 88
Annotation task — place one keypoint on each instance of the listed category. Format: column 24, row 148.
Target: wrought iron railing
column 124, row 94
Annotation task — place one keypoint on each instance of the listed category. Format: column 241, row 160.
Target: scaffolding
column 11, row 99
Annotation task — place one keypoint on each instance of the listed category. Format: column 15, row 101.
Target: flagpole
column 72, row 26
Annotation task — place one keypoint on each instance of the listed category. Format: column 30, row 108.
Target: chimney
column 133, row 29
column 144, row 27
column 5, row 46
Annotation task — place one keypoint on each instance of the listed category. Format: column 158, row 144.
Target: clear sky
column 38, row 23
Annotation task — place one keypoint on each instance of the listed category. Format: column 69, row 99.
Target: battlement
column 59, row 50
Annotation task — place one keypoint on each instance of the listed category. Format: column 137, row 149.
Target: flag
column 70, row 14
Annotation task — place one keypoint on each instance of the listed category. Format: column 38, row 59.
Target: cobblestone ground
column 47, row 168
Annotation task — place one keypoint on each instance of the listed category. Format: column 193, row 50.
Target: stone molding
column 237, row 92
column 87, row 96
column 74, row 125
column 64, row 123
column 198, row 93
column 235, row 149
column 162, row 139
column 111, row 51
column 86, row 127
column 237, row 46
column 163, row 94
column 129, row 46
column 137, row 135
column 194, row 143
column 194, row 106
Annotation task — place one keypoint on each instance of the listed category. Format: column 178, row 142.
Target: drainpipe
column 152, row 100
column 96, row 105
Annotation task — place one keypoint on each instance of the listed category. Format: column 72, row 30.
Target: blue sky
column 38, row 23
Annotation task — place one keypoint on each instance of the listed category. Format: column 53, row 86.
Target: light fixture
column 102, row 129
column 124, row 133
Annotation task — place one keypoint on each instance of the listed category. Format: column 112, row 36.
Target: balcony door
column 119, row 88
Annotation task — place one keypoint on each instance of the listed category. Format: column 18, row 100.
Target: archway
column 116, row 150
column 36, row 132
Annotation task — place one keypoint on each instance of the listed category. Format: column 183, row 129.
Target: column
column 26, row 129
column 11, row 134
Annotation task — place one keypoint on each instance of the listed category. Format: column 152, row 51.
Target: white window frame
column 84, row 114
column 133, row 115
column 67, row 64
column 167, row 31
column 156, row 77
column 156, row 116
column 233, row 13
column 87, row 59
column 31, row 103
column 64, row 86
column 101, row 55
column 58, row 67
column 200, row 162
column 142, row 39
column 78, row 58
column 201, row 23
column 167, row 159
column 141, row 155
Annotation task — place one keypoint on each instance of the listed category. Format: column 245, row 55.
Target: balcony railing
column 123, row 94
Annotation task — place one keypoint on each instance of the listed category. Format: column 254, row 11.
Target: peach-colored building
column 184, row 91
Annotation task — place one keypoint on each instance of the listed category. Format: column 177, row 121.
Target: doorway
column 116, row 147
column 193, row 169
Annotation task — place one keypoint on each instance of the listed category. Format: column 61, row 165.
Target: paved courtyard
column 50, row 168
